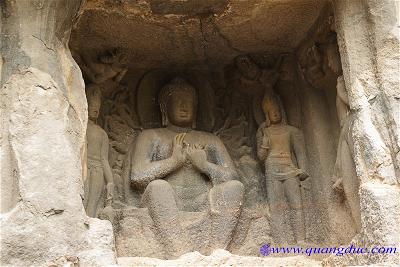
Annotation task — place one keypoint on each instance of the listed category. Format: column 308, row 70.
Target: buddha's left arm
column 298, row 144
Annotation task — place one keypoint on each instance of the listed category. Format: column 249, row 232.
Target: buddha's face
column 274, row 113
column 247, row 67
column 180, row 108
column 93, row 109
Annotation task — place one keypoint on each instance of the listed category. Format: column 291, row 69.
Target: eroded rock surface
column 43, row 118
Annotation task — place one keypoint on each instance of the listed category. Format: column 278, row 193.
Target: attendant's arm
column 341, row 90
column 106, row 167
column 120, row 75
column 342, row 101
column 144, row 170
column 262, row 147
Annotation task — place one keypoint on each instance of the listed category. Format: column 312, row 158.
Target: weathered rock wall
column 44, row 117
column 369, row 46
column 328, row 218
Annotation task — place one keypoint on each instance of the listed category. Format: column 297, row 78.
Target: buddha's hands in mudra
column 196, row 155
column 178, row 153
column 182, row 152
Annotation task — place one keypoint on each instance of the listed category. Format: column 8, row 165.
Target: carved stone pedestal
column 137, row 235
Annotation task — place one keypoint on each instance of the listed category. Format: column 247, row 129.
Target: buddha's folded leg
column 226, row 201
column 159, row 198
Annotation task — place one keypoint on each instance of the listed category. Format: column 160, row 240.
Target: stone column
column 368, row 38
column 43, row 125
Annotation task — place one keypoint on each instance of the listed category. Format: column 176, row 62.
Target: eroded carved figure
column 345, row 176
column 311, row 62
column 281, row 148
column 258, row 79
column 110, row 66
column 181, row 169
column 99, row 173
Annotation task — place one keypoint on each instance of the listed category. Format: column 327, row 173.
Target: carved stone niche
column 226, row 123
column 187, row 130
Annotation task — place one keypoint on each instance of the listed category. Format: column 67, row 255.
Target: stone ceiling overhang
column 193, row 32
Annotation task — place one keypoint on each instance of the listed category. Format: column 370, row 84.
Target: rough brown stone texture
column 193, row 35
column 369, row 46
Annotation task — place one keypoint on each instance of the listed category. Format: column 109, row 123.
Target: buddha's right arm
column 144, row 170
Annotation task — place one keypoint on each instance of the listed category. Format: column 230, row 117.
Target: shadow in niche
column 230, row 107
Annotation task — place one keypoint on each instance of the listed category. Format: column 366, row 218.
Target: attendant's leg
column 96, row 186
column 226, row 201
column 351, row 184
column 277, row 205
column 86, row 188
column 160, row 200
column 293, row 195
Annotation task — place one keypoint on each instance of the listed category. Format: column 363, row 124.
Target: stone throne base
column 220, row 257
column 136, row 235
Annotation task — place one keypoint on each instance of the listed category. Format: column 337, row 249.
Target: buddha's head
column 272, row 109
column 178, row 104
column 93, row 95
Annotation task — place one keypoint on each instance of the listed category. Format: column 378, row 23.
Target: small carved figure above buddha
column 110, row 66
